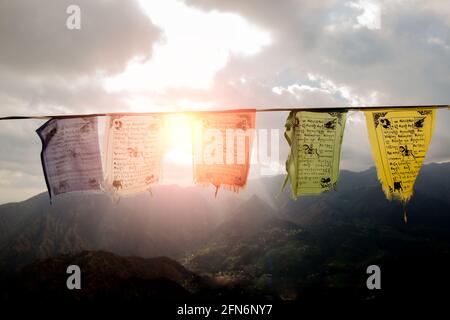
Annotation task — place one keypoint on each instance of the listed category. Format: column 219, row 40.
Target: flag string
column 311, row 109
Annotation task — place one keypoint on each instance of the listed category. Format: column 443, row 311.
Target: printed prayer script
column 315, row 139
column 400, row 140
column 70, row 155
column 133, row 153
column 222, row 144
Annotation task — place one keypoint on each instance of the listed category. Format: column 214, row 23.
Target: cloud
column 357, row 52
column 46, row 68
column 25, row 95
column 407, row 51
column 35, row 39
column 196, row 45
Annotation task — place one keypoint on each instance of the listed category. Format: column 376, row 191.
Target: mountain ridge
column 277, row 248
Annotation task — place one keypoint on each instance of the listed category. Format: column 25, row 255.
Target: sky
column 154, row 55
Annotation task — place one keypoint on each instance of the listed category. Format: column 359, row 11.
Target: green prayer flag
column 315, row 139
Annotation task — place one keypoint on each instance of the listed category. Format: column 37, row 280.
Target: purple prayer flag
column 71, row 155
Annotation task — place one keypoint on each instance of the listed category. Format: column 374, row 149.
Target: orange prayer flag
column 222, row 147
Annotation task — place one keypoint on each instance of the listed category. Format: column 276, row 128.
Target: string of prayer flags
column 133, row 153
column 315, row 139
column 400, row 140
column 70, row 155
column 222, row 144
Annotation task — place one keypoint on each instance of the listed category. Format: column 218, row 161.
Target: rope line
column 359, row 108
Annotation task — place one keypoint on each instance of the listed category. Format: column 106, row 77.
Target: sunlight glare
column 194, row 46
column 178, row 138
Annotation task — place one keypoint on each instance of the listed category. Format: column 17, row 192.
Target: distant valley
column 273, row 247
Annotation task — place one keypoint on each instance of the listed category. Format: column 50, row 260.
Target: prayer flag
column 222, row 148
column 70, row 155
column 133, row 153
column 400, row 140
column 315, row 139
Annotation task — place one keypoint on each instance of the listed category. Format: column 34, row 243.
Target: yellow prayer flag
column 400, row 140
column 315, row 139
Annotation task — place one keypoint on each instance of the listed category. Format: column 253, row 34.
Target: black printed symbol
column 73, row 153
column 117, row 184
column 85, row 128
column 419, row 123
column 118, row 124
column 63, row 186
column 134, row 152
column 309, row 149
column 243, row 124
column 50, row 134
column 325, row 182
column 205, row 123
column 238, row 180
column 330, row 124
column 93, row 182
column 153, row 127
column 405, row 152
column 385, row 123
column 398, row 186
column 150, row 179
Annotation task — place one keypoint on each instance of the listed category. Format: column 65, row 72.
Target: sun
column 178, row 137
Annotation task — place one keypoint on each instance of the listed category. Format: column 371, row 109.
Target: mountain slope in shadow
column 104, row 276
column 318, row 247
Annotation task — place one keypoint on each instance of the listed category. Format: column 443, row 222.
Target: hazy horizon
column 223, row 192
